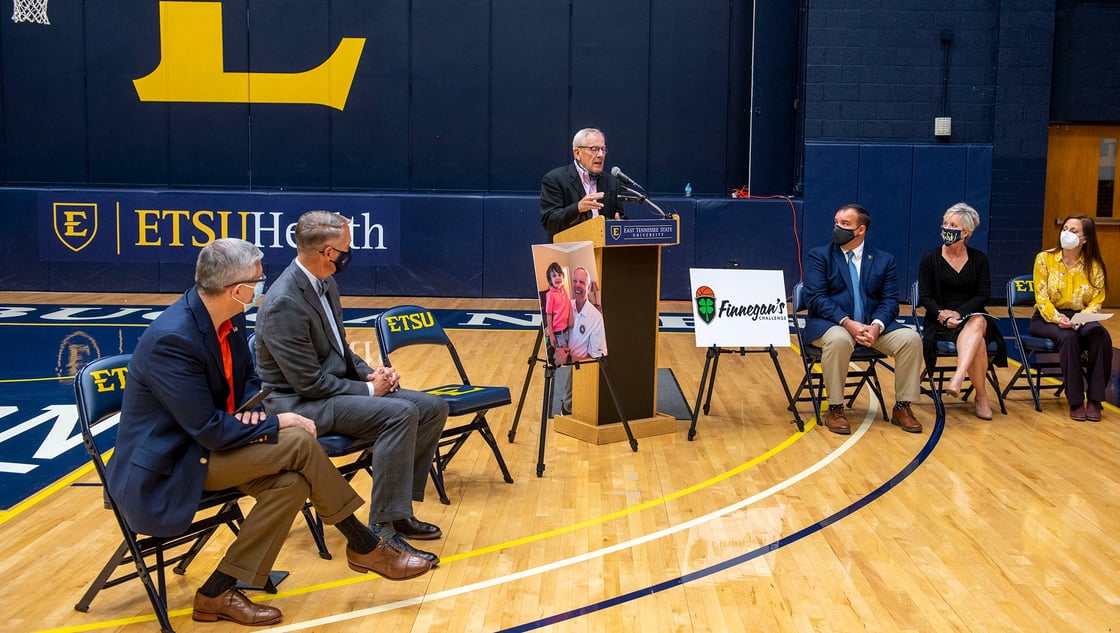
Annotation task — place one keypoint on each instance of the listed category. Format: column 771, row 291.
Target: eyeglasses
column 247, row 281
column 594, row 149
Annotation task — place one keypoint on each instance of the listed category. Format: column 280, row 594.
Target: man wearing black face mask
column 302, row 352
column 851, row 291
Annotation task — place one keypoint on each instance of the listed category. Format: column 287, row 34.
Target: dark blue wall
column 1086, row 80
column 461, row 106
column 467, row 96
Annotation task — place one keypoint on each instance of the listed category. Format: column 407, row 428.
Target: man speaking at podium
column 581, row 189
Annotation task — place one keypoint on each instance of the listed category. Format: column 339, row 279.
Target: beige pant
column 903, row 344
column 281, row 477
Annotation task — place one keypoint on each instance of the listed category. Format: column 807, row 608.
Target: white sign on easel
column 739, row 308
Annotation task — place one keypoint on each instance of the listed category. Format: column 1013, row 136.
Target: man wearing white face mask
column 1068, row 279
column 179, row 435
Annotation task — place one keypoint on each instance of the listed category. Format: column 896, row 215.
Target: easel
column 546, row 401
column 712, row 361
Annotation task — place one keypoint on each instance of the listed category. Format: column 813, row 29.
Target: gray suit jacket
column 297, row 353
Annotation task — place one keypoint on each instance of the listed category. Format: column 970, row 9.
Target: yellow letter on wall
column 192, row 66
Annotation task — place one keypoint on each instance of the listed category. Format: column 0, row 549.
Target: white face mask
column 1069, row 239
column 258, row 292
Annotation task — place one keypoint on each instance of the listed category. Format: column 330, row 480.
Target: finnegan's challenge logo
column 706, row 303
column 706, row 307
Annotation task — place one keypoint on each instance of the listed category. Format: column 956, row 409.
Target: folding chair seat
column 98, row 389
column 409, row 325
column 1037, row 356
column 935, row 373
column 863, row 374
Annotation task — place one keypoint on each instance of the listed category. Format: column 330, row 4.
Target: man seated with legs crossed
column 302, row 352
column 851, row 292
column 178, row 436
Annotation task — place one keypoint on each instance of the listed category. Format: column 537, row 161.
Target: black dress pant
column 1091, row 338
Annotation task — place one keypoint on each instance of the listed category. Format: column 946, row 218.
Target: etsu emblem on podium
column 616, row 232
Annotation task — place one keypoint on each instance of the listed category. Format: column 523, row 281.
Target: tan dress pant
column 281, row 477
column 903, row 344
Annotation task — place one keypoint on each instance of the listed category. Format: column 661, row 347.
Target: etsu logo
column 75, row 223
column 406, row 322
column 616, row 232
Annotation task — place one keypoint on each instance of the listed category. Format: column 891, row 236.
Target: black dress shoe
column 404, row 545
column 416, row 529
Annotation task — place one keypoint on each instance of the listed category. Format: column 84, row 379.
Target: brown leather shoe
column 1093, row 411
column 388, row 561
column 836, row 421
column 232, row 605
column 1077, row 414
column 904, row 417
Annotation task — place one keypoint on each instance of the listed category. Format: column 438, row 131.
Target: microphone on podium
column 623, row 178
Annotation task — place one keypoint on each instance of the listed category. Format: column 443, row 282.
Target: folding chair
column 408, row 325
column 935, row 373
column 813, row 382
column 98, row 389
column 1020, row 292
column 335, row 446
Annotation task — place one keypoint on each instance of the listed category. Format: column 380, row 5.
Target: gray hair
column 580, row 138
column 224, row 262
column 970, row 219
column 315, row 229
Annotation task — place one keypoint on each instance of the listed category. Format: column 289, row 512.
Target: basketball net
column 30, row 11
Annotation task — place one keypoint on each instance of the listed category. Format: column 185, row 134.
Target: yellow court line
column 785, row 444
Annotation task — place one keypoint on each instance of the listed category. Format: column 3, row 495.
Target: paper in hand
column 1088, row 317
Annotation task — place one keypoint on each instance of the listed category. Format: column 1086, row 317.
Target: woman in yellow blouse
column 1068, row 279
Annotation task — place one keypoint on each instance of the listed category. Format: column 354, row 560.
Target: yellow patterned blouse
column 1058, row 287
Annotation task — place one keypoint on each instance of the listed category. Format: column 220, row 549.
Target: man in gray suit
column 303, row 354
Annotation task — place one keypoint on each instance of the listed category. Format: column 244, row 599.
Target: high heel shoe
column 954, row 391
column 983, row 410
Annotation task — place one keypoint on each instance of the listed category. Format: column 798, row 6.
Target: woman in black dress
column 954, row 285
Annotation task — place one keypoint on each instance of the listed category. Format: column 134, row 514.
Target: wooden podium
column 628, row 258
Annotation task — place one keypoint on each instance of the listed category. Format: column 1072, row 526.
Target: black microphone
column 623, row 178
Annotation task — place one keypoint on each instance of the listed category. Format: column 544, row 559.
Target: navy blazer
column 828, row 289
column 174, row 414
column 561, row 191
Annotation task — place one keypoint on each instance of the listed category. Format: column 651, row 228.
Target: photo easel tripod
column 550, row 368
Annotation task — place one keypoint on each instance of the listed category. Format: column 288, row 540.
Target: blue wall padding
column 886, row 174
column 907, row 189
column 759, row 233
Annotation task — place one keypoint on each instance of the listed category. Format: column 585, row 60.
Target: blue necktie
column 857, row 294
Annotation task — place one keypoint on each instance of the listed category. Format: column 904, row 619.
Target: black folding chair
column 1038, row 359
column 936, row 372
column 864, row 358
column 98, row 389
column 408, row 325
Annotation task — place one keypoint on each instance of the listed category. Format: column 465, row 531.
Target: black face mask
column 841, row 235
column 342, row 262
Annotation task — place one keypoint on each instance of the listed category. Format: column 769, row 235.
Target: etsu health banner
column 149, row 226
column 739, row 308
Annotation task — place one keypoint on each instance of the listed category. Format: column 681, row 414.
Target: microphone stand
column 644, row 198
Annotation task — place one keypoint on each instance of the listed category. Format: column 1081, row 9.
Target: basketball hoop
column 30, row 11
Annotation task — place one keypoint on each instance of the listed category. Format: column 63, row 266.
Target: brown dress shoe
column 904, row 417
column 388, row 561
column 836, row 421
column 1093, row 411
column 232, row 605
column 1077, row 414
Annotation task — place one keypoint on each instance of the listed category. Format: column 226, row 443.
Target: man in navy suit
column 178, row 436
column 581, row 189
column 851, row 292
